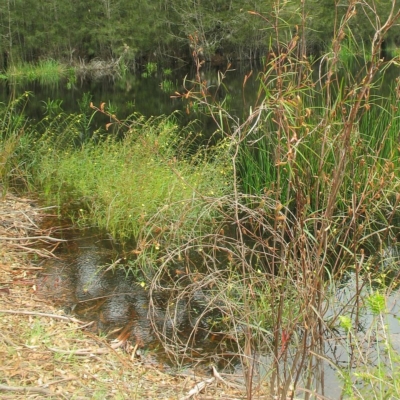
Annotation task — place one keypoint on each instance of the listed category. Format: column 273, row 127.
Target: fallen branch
column 41, row 253
column 25, row 268
column 49, row 238
column 224, row 381
column 30, row 220
column 198, row 388
column 39, row 314
column 26, row 389
column 79, row 352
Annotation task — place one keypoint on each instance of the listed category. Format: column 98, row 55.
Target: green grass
column 168, row 86
column 46, row 72
column 118, row 180
column 13, row 125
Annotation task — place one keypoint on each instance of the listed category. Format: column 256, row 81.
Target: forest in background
column 142, row 31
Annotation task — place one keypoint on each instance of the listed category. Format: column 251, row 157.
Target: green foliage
column 128, row 31
column 13, row 131
column 167, row 71
column 345, row 322
column 121, row 183
column 168, row 86
column 150, row 70
column 376, row 303
column 46, row 72
column 52, row 107
column 71, row 78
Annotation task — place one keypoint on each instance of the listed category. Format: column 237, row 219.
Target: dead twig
column 41, row 253
column 198, row 388
column 39, row 314
column 49, row 238
column 224, row 381
column 79, row 352
column 27, row 389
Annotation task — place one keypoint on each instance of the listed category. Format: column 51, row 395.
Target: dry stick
column 33, row 238
column 30, row 220
column 41, row 253
column 103, row 342
column 9, row 342
column 28, row 268
column 79, row 352
column 39, row 314
column 198, row 388
column 224, row 381
column 201, row 385
column 312, row 392
column 27, row 389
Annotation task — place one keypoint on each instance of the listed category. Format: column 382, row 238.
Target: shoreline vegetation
column 266, row 220
column 46, row 353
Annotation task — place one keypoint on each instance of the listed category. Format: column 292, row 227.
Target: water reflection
column 82, row 283
column 135, row 93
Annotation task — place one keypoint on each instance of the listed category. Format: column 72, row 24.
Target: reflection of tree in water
column 115, row 301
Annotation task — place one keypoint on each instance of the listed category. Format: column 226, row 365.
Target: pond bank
column 47, row 354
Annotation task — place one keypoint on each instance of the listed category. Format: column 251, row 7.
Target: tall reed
column 315, row 194
column 13, row 131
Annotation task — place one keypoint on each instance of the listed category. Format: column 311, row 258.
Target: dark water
column 136, row 93
column 83, row 284
column 149, row 95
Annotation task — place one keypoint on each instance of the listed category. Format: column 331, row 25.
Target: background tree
column 142, row 29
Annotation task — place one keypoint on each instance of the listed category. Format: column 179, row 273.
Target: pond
column 89, row 279
column 150, row 96
column 156, row 94
column 85, row 283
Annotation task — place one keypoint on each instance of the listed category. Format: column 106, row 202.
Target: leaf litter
column 45, row 353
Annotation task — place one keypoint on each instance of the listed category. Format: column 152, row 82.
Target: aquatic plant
column 167, row 72
column 150, row 69
column 45, row 71
column 122, row 175
column 167, row 86
column 52, row 107
column 71, row 78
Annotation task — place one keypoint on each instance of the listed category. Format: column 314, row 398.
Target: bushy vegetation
column 314, row 202
column 264, row 226
column 115, row 180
